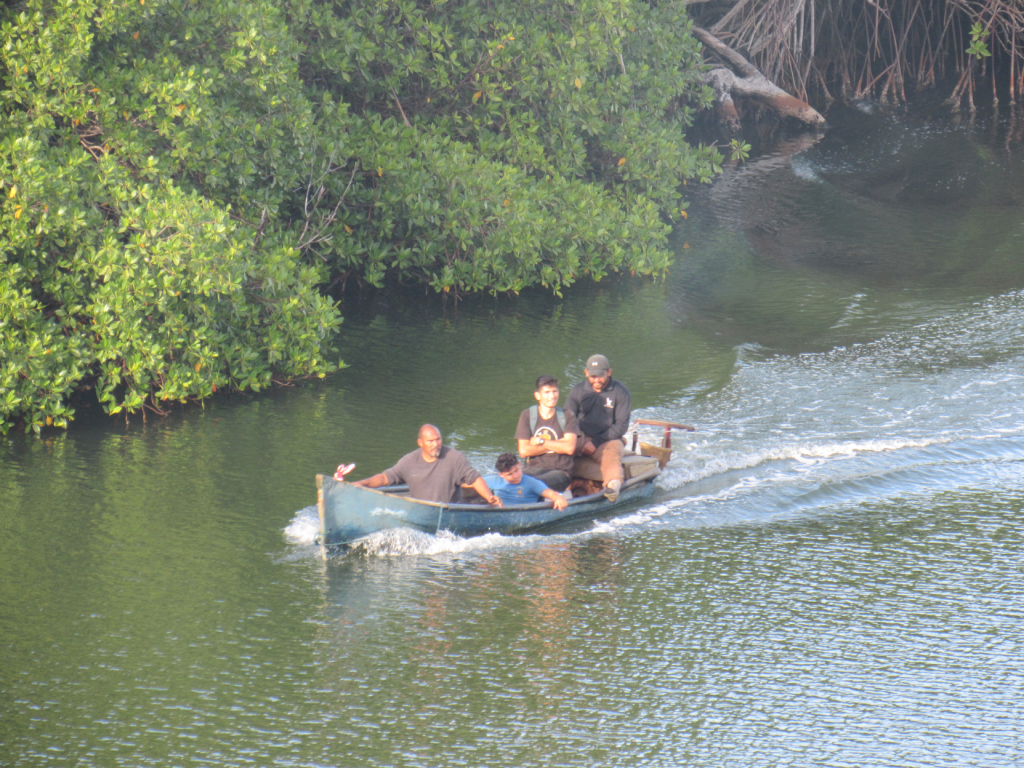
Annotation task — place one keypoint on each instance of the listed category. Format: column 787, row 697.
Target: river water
column 830, row 573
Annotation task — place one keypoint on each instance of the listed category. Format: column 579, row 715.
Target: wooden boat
column 349, row 512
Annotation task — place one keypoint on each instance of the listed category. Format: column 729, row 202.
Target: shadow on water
column 899, row 200
column 823, row 240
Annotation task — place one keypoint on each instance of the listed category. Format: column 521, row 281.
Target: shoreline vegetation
column 185, row 185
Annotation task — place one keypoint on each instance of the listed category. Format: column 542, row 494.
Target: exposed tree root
column 883, row 50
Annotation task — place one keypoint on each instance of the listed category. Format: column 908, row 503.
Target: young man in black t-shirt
column 547, row 437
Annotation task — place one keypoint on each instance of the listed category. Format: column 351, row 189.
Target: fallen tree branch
column 750, row 84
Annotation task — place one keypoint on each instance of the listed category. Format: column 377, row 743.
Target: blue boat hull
column 350, row 512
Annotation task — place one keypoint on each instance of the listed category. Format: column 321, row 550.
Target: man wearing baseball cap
column 601, row 407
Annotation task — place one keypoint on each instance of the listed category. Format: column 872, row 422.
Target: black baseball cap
column 597, row 365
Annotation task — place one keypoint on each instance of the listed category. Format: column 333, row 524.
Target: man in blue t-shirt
column 513, row 487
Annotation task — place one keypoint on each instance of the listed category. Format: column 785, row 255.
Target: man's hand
column 480, row 486
column 557, row 500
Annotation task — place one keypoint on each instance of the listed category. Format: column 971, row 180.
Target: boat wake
column 932, row 407
column 822, row 482
column 926, row 412
column 700, row 461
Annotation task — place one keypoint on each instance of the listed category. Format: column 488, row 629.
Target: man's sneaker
column 611, row 491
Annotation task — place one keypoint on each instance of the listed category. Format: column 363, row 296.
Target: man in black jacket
column 601, row 407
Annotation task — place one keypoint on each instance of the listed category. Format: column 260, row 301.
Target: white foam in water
column 643, row 517
column 803, row 169
column 406, row 541
column 689, row 468
column 304, row 527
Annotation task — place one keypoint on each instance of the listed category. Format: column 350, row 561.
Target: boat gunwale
column 395, row 492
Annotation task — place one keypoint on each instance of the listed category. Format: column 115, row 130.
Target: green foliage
column 494, row 146
column 117, row 274
column 180, row 179
column 738, row 150
column 978, row 47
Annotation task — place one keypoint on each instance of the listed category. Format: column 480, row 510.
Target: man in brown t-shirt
column 435, row 472
column 547, row 437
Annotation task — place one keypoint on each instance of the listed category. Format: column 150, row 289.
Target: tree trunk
column 744, row 80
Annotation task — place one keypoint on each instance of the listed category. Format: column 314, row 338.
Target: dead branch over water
column 820, row 50
column 750, row 83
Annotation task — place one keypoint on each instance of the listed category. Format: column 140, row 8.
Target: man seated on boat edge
column 602, row 408
column 435, row 472
column 547, row 437
column 514, row 487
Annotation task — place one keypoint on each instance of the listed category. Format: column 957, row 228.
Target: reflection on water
column 828, row 574
column 710, row 647
column 486, row 650
column 837, row 233
column 894, row 201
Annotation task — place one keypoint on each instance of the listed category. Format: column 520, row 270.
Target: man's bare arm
column 557, row 499
column 537, row 446
column 376, row 481
column 480, row 486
